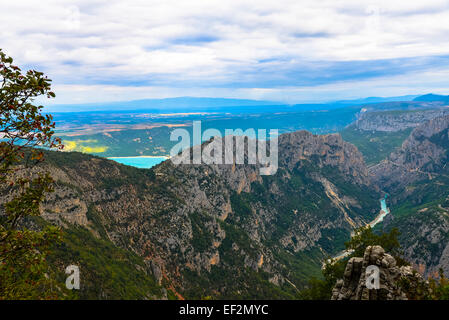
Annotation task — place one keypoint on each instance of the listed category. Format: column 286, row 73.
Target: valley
column 226, row 232
column 211, row 151
column 191, row 226
column 383, row 212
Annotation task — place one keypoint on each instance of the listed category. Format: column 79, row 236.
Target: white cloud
column 88, row 43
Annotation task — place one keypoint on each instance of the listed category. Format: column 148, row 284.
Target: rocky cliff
column 397, row 120
column 422, row 156
column 221, row 230
column 416, row 177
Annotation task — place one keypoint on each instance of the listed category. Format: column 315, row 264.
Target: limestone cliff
column 222, row 230
column 417, row 178
column 392, row 121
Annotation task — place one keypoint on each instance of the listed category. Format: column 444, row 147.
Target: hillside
column 378, row 133
column 417, row 178
column 215, row 230
column 374, row 145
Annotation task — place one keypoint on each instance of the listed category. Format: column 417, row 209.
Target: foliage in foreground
column 23, row 130
column 321, row 289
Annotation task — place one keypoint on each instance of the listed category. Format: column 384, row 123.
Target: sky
column 289, row 51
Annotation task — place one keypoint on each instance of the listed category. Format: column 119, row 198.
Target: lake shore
column 133, row 157
column 142, row 162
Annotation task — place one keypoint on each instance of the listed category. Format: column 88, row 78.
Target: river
column 384, row 211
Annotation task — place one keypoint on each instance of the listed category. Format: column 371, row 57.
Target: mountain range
column 225, row 231
column 219, row 230
column 195, row 104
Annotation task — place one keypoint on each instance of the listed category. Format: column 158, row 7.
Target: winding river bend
column 384, row 211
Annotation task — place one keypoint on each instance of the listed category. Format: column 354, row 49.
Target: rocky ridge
column 417, row 178
column 393, row 121
column 222, row 230
column 420, row 156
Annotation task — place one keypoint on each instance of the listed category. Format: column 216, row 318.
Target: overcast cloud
column 284, row 50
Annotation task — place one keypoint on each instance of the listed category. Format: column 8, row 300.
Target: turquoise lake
column 385, row 211
column 139, row 162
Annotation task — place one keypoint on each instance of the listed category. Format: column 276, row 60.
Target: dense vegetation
column 106, row 271
column 374, row 145
column 23, row 250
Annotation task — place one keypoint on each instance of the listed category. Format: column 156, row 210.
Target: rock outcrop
column 325, row 150
column 396, row 120
column 417, row 175
column 353, row 286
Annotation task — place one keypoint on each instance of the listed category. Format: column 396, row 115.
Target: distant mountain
column 376, row 100
column 432, row 97
column 423, row 154
column 397, row 120
column 401, row 105
column 416, row 177
column 203, row 104
column 185, row 104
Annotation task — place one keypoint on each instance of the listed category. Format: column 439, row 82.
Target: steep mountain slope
column 424, row 237
column 423, row 155
column 417, row 178
column 131, row 134
column 378, row 133
column 220, row 230
column 374, row 145
column 396, row 120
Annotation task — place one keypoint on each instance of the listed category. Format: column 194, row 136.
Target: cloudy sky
column 291, row 51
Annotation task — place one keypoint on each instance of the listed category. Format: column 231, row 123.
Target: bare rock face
column 353, row 286
column 417, row 174
column 396, row 121
column 196, row 222
column 328, row 149
column 422, row 156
